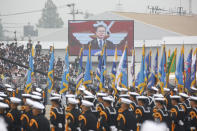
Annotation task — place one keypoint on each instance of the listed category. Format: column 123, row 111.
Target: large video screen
column 113, row 33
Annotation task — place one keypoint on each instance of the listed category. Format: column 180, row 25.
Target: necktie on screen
column 100, row 44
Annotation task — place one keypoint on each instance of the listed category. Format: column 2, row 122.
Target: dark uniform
column 72, row 121
column 151, row 103
column 186, row 108
column 161, row 115
column 100, row 107
column 39, row 123
column 142, row 113
column 107, row 119
column 87, row 121
column 15, row 115
column 94, row 111
column 192, row 118
column 133, row 106
column 126, row 121
column 177, row 117
column 168, row 101
column 25, row 120
column 57, row 119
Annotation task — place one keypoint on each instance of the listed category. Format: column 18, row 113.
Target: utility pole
column 190, row 7
column 73, row 10
column 15, row 36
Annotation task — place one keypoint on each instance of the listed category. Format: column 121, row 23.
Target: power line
column 29, row 12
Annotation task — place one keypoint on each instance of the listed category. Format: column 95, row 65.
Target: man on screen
column 100, row 39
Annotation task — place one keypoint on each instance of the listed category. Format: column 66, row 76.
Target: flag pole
column 127, row 66
column 53, row 68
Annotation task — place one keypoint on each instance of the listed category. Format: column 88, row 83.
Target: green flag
column 171, row 64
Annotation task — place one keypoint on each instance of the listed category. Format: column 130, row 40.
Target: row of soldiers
column 109, row 110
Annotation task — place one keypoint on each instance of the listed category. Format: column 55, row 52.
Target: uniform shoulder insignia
column 82, row 117
column 138, row 112
column 179, row 107
column 33, row 122
column 131, row 106
column 10, row 116
column 121, row 116
column 52, row 113
column 99, row 107
column 102, row 113
column 157, row 115
column 193, row 114
column 183, row 107
column 173, row 110
column 24, row 116
column 70, row 115
column 154, row 109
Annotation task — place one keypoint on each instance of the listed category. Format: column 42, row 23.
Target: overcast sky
column 92, row 6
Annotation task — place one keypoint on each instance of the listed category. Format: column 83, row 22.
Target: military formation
column 85, row 109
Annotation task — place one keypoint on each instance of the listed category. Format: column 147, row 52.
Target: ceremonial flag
column 151, row 81
column 30, row 72
column 193, row 68
column 133, row 68
column 103, row 69
column 188, row 71
column 80, row 70
column 98, row 70
column 50, row 80
column 87, row 75
column 171, row 64
column 147, row 67
column 122, row 70
column 124, row 79
column 141, row 78
column 113, row 71
column 65, row 76
column 162, row 71
column 179, row 74
column 155, row 67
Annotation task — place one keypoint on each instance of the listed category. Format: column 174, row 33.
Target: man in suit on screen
column 99, row 39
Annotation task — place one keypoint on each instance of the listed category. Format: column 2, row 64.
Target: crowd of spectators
column 18, row 53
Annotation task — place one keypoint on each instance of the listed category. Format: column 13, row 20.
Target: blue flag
column 162, row 70
column 87, row 76
column 30, row 72
column 151, row 81
column 50, row 80
column 141, row 78
column 65, row 76
column 179, row 74
column 103, row 69
column 124, row 80
column 147, row 67
column 113, row 71
column 155, row 67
